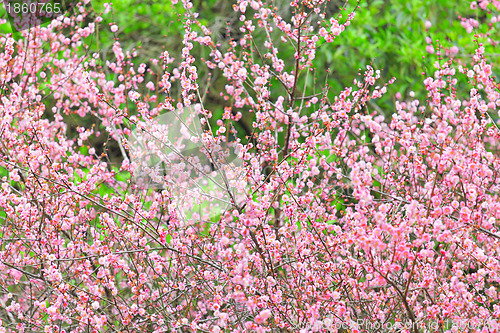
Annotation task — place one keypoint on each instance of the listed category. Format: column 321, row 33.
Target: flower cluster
column 322, row 213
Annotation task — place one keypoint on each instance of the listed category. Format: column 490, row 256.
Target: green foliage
column 4, row 172
column 388, row 34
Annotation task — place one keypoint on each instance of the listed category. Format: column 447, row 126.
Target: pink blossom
column 281, row 208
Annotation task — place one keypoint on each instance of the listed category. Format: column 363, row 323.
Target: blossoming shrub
column 330, row 214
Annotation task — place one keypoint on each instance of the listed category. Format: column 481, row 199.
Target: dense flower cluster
column 327, row 213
